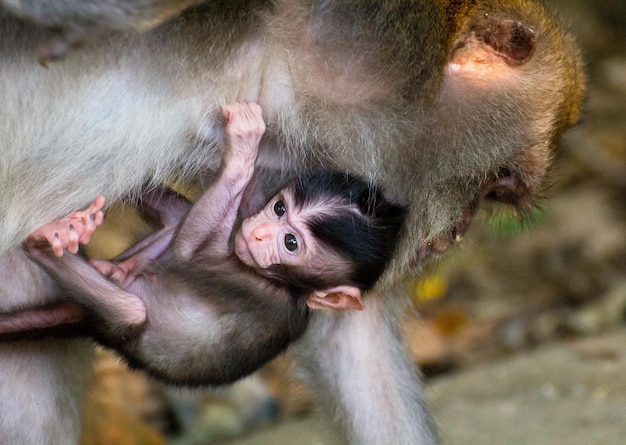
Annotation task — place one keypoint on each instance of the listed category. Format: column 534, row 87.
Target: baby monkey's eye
column 279, row 208
column 291, row 243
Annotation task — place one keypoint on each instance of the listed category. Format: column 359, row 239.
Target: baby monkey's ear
column 339, row 298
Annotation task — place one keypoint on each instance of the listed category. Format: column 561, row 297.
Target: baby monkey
column 192, row 303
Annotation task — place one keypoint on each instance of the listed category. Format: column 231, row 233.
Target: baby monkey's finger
column 57, row 245
column 92, row 221
column 96, row 205
column 73, row 239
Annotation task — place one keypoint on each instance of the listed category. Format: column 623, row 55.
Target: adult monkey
column 441, row 102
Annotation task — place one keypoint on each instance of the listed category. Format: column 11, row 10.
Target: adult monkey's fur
column 441, row 102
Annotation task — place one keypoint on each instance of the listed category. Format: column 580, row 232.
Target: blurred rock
column 607, row 313
column 214, row 415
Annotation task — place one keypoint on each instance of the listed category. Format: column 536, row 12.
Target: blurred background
column 507, row 289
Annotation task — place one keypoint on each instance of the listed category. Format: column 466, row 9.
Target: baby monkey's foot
column 69, row 232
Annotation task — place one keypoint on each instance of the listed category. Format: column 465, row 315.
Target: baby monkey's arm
column 210, row 222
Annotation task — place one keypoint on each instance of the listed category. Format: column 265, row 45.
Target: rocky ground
column 521, row 332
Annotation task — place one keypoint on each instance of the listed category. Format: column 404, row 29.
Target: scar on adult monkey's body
column 189, row 306
column 442, row 103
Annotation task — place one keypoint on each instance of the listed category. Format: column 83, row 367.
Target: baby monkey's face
column 276, row 235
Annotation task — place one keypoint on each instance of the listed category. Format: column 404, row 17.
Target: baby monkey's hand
column 244, row 129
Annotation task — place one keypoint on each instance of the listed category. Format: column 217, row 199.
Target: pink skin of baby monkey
column 69, row 232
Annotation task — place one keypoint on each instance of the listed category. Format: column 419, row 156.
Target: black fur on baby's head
column 363, row 226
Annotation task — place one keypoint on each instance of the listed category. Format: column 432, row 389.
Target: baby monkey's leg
column 65, row 233
column 164, row 205
column 118, row 310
